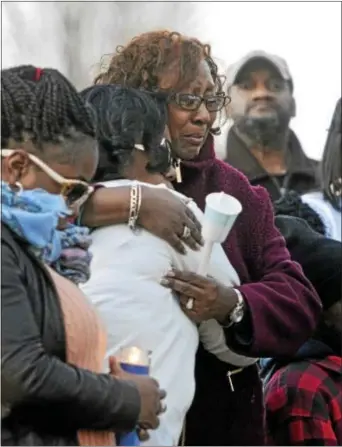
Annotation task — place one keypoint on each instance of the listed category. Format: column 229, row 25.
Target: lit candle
column 134, row 361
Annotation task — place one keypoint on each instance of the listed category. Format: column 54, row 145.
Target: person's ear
column 229, row 111
column 228, row 106
column 174, row 142
column 18, row 169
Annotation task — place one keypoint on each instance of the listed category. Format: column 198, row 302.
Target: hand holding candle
column 203, row 298
column 133, row 365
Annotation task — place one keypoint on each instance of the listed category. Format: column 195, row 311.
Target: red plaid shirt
column 304, row 403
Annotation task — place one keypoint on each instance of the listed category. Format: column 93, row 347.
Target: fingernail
column 164, row 282
column 171, row 274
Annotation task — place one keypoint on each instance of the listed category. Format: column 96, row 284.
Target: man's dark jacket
column 302, row 174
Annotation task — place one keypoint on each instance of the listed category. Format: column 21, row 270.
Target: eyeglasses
column 190, row 102
column 75, row 192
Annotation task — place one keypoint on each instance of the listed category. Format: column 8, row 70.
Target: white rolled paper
column 220, row 213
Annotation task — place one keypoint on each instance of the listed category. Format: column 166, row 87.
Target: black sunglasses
column 191, row 102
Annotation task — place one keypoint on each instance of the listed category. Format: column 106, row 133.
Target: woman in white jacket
column 128, row 266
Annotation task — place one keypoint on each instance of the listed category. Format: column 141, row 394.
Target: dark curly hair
column 332, row 161
column 291, row 204
column 126, row 117
column 149, row 56
column 42, row 106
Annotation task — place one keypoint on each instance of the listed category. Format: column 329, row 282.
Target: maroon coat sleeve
column 283, row 306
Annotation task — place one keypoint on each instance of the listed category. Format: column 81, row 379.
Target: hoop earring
column 336, row 190
column 215, row 131
column 18, row 188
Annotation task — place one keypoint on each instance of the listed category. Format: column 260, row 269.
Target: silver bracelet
column 134, row 206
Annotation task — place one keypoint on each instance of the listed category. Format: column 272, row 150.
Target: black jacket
column 48, row 399
column 319, row 257
column 302, row 175
column 321, row 260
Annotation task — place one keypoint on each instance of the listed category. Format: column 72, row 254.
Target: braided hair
column 332, row 161
column 126, row 117
column 42, row 106
column 291, row 204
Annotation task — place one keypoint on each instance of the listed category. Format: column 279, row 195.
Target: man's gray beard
column 265, row 132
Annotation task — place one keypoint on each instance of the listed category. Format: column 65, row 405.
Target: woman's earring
column 336, row 188
column 18, row 188
column 177, row 167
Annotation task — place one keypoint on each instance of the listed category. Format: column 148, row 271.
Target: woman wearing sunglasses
column 127, row 288
column 52, row 341
column 275, row 309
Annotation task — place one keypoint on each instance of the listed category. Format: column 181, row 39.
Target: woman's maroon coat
column 284, row 308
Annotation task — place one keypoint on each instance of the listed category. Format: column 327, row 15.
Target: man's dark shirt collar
column 239, row 156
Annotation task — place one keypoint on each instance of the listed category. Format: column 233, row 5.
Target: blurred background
column 72, row 36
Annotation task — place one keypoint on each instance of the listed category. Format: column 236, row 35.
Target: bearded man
column 260, row 143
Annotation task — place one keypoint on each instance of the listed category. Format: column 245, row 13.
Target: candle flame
column 134, row 356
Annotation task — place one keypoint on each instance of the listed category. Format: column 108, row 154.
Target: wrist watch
column 238, row 312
